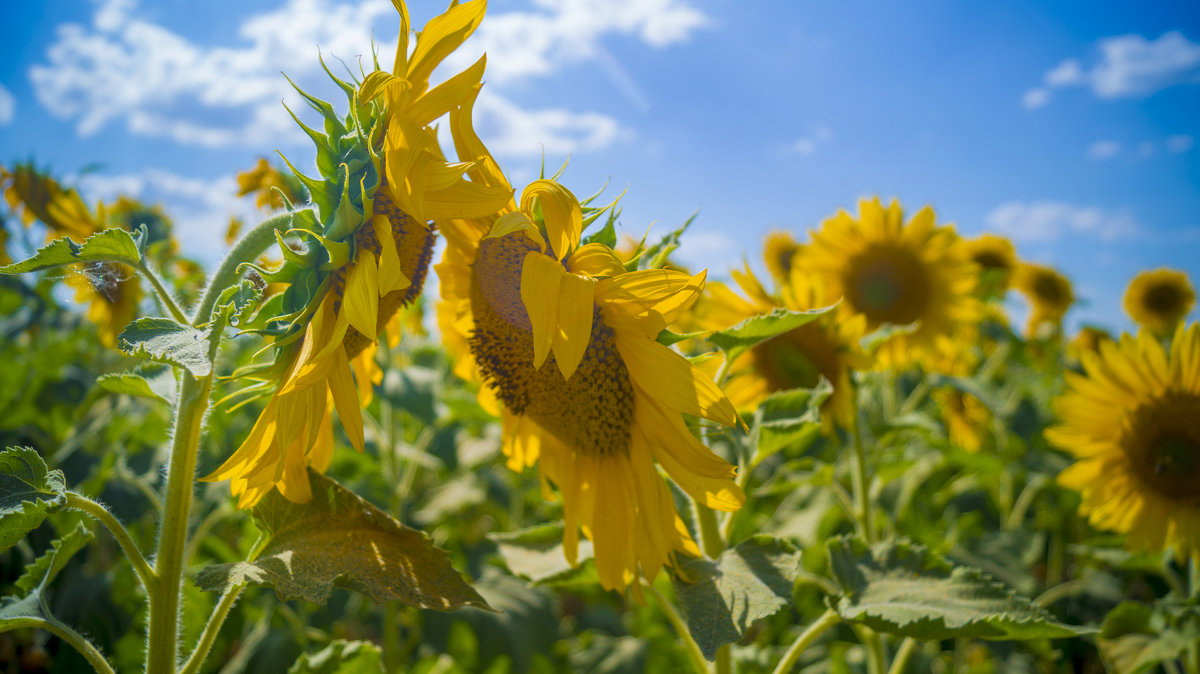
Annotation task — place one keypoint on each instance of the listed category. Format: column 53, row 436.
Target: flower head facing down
column 1133, row 422
column 896, row 273
column 1157, row 300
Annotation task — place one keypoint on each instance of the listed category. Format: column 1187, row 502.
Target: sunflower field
column 570, row 453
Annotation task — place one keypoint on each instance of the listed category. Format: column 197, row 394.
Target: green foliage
column 110, row 245
column 341, row 657
column 29, row 491
column 789, row 418
column 338, row 537
column 1136, row 637
column 165, row 341
column 753, row 331
column 154, row 382
column 900, row 588
column 43, row 570
column 722, row 598
column 536, row 553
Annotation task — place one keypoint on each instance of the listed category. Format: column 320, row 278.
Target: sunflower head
column 895, row 273
column 1089, row 339
column 1049, row 294
column 1133, row 422
column 34, row 195
column 1157, row 300
column 273, row 189
column 779, row 248
column 996, row 259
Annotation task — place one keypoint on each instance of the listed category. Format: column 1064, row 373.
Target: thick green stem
column 163, row 644
column 246, row 249
column 215, row 621
column 118, row 531
column 693, row 649
column 900, row 661
column 862, row 492
column 806, row 639
column 164, row 295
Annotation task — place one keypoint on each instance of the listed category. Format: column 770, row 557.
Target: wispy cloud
column 1104, row 149
column 1126, row 66
column 1047, row 221
column 808, row 145
column 8, row 106
column 1179, row 143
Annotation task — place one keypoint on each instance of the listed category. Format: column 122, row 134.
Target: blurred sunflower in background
column 996, row 259
column 563, row 340
column 383, row 186
column 1088, row 340
column 1049, row 294
column 1157, row 300
column 1133, row 422
column 896, row 273
column 826, row 347
column 272, row 189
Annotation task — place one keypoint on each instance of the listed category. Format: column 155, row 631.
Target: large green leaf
column 536, row 553
column 791, row 417
column 165, row 341
column 753, row 331
column 29, row 491
column 900, row 588
column 155, row 382
column 341, row 657
column 110, row 245
column 27, row 611
column 42, row 570
column 338, row 537
column 721, row 599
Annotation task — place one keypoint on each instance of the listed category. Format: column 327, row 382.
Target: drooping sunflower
column 897, row 273
column 1133, row 421
column 1157, row 300
column 996, row 259
column 563, row 340
column 827, row 347
column 385, row 186
column 1049, row 294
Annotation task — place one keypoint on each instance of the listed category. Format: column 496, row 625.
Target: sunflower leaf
column 1134, row 637
column 153, row 381
column 29, row 491
column 165, row 341
column 753, row 331
column 26, row 611
column 721, row 599
column 872, row 341
column 110, row 245
column 338, row 537
column 900, row 588
column 536, row 553
column 789, row 418
column 341, row 657
column 237, row 302
column 42, row 570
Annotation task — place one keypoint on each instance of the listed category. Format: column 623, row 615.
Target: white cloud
column 1047, row 221
column 1179, row 143
column 807, row 145
column 8, row 106
column 1127, row 66
column 707, row 249
column 1104, row 149
column 1146, row 148
column 509, row 129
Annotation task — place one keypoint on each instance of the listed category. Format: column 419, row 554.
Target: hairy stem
column 676, row 620
column 164, row 295
column 75, row 639
column 806, row 639
column 246, row 249
column 118, row 531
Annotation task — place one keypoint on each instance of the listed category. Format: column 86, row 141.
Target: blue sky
column 1075, row 130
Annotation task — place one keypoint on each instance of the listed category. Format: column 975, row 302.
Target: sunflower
column 378, row 212
column 272, row 188
column 1049, row 294
column 894, row 273
column 1157, row 300
column 827, row 347
column 996, row 259
column 965, row 417
column 1133, row 421
column 1087, row 340
column 563, row 340
column 779, row 248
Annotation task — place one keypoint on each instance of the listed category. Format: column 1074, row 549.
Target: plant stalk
column 806, row 639
column 164, row 295
column 900, row 660
column 676, row 620
column 77, row 641
column 140, row 567
column 247, row 248
column 860, row 482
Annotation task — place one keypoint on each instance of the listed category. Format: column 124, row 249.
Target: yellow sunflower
column 1157, row 300
column 1049, row 294
column 1133, row 421
column 895, row 273
column 269, row 186
column 1087, row 340
column 378, row 231
column 563, row 340
column 827, row 347
column 779, row 249
column 996, row 259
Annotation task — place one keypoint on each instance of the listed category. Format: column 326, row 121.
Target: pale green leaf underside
column 28, row 492
column 42, row 570
column 165, row 341
column 753, row 331
column 110, row 245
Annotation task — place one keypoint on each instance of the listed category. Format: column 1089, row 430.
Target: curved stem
column 806, row 639
column 900, row 661
column 676, row 620
column 211, row 629
column 246, row 249
column 77, row 641
column 163, row 294
column 141, row 568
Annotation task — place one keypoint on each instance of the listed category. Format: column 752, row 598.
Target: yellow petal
column 391, row 276
column 360, row 300
column 441, row 36
column 596, row 260
column 515, row 222
column 540, row 280
column 647, row 301
column 294, row 484
column 576, row 305
column 560, row 211
column 446, row 96
column 670, row 379
column 345, row 398
column 400, row 67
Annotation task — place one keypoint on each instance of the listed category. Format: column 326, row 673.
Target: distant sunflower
column 378, row 232
column 563, row 340
column 779, row 249
column 996, row 259
column 1157, row 300
column 1087, row 340
column 827, row 347
column 894, row 273
column 270, row 186
column 1049, row 294
column 1133, row 421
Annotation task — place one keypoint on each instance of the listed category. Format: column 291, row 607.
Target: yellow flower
column 563, row 340
column 1087, row 340
column 1157, row 300
column 269, row 186
column 996, row 259
column 895, row 273
column 1133, row 421
column 1049, row 294
column 378, row 237
column 827, row 347
column 966, row 418
column 779, row 249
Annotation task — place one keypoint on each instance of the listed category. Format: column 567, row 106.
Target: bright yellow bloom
column 563, row 340
column 827, row 347
column 1133, row 421
column 382, row 218
column 779, row 249
column 996, row 259
column 898, row 274
column 269, row 186
column 1157, row 300
column 1049, row 294
column 1087, row 340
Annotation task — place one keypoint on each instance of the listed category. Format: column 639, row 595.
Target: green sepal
column 317, row 190
column 337, row 252
column 305, row 260
column 347, row 218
